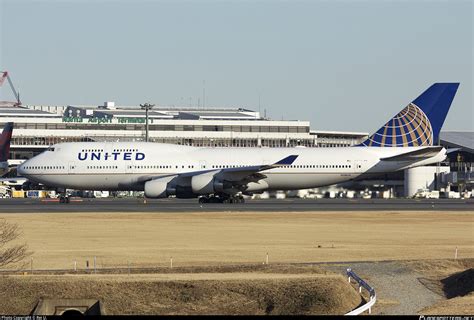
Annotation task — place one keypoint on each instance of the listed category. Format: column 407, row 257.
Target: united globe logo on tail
column 409, row 128
column 419, row 123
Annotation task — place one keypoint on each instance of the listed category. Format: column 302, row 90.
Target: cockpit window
column 50, row 149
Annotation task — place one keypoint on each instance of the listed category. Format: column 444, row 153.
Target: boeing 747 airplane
column 224, row 174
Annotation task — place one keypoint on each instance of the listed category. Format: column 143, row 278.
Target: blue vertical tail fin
column 419, row 123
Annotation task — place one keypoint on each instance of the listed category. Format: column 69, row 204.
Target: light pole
column 147, row 106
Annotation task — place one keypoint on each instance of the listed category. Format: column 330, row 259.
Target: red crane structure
column 4, row 75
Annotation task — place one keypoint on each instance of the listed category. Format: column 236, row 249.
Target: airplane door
column 130, row 166
column 202, row 165
column 358, row 166
column 72, row 167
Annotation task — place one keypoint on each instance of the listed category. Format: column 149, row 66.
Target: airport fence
column 362, row 284
column 97, row 266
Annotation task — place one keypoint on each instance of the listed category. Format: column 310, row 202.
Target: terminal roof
column 458, row 139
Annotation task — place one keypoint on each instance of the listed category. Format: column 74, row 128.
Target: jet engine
column 258, row 186
column 208, row 183
column 159, row 188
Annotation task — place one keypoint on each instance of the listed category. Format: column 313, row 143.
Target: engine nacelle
column 159, row 188
column 258, row 186
column 207, row 183
column 203, row 183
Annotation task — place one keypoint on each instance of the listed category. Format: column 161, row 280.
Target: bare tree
column 11, row 252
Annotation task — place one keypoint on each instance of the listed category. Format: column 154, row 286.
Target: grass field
column 150, row 239
column 152, row 295
column 459, row 305
column 452, row 279
column 217, row 259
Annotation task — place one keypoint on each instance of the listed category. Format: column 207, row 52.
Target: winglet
column 286, row 161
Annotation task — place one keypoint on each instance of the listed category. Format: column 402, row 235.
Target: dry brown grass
column 218, row 257
column 459, row 306
column 452, row 279
column 449, row 278
column 441, row 268
column 151, row 294
column 150, row 239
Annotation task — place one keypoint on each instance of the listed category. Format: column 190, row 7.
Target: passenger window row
column 319, row 166
column 102, row 150
column 44, row 167
column 125, row 150
column 150, row 167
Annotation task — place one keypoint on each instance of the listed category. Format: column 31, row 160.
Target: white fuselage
column 126, row 165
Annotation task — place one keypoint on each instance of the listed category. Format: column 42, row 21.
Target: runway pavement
column 272, row 205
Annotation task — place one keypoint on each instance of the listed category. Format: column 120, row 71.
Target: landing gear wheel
column 236, row 199
column 221, row 199
column 63, row 199
column 204, row 200
column 214, row 200
column 240, row 200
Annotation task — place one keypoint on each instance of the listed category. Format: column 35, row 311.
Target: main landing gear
column 62, row 195
column 64, row 198
column 222, row 199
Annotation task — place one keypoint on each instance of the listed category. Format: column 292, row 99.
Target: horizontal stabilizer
column 451, row 150
column 416, row 155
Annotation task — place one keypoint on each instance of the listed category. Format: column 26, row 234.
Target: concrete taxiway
column 272, row 205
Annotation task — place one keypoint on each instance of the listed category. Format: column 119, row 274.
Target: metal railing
column 362, row 284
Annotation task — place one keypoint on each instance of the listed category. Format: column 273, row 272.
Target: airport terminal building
column 37, row 127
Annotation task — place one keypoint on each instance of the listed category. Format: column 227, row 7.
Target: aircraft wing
column 236, row 176
column 252, row 173
column 417, row 155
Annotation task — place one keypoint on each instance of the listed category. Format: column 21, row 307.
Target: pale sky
column 343, row 65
